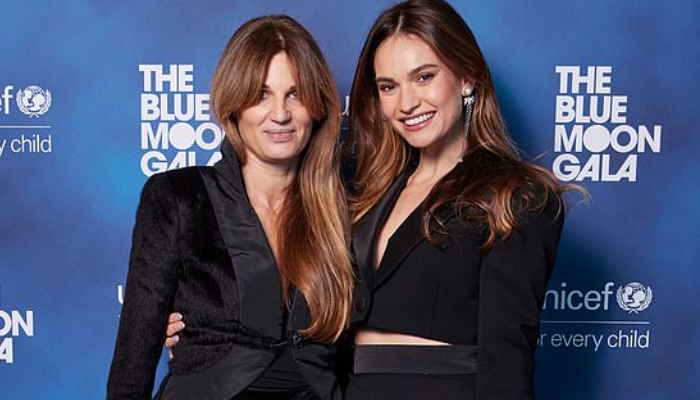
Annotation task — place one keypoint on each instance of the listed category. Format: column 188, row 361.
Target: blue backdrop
column 95, row 96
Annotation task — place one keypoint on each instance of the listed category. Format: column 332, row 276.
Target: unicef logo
column 634, row 297
column 33, row 100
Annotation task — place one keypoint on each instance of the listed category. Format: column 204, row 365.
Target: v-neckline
column 377, row 263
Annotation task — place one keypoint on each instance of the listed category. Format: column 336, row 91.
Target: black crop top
column 457, row 293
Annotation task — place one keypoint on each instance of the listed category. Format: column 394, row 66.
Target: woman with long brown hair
column 455, row 236
column 254, row 251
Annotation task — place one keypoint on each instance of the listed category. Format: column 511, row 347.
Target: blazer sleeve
column 150, row 288
column 513, row 279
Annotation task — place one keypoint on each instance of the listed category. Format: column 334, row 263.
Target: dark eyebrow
column 413, row 72
column 381, row 79
column 419, row 69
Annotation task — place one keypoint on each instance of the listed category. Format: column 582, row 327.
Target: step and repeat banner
column 95, row 96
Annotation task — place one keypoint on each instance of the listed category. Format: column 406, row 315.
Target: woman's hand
column 175, row 325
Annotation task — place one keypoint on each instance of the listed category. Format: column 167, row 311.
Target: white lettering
column 346, row 106
column 179, row 78
column 181, row 136
column 154, row 161
column 644, row 137
column 591, row 300
column 154, row 140
column 577, row 340
column 5, row 99
column 632, row 340
column 6, row 351
column 175, row 107
column 589, row 118
column 596, row 109
column 572, row 142
column 595, row 80
column 120, row 294
column 31, row 144
column 14, row 321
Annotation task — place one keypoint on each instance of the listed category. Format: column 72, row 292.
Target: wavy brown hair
column 313, row 227
column 492, row 186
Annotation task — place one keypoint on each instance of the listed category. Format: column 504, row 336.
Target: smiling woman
column 455, row 235
column 420, row 96
column 253, row 251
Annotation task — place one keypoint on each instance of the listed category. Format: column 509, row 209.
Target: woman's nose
column 408, row 100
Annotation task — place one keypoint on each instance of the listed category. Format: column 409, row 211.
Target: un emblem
column 33, row 100
column 634, row 297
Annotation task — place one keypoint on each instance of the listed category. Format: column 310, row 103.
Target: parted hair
column 313, row 227
column 492, row 186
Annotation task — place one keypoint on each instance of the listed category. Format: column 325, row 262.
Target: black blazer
column 458, row 293
column 199, row 248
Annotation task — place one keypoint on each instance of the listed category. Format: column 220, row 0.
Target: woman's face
column 277, row 128
column 419, row 95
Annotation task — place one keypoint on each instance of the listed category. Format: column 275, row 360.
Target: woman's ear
column 467, row 88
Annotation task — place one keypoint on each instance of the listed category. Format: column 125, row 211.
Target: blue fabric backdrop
column 621, row 318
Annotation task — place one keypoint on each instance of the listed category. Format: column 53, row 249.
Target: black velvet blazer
column 199, row 248
column 459, row 294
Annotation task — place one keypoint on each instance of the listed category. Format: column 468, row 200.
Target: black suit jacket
column 458, row 293
column 199, row 248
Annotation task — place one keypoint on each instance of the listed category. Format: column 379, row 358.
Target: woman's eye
column 293, row 94
column 263, row 94
column 425, row 77
column 385, row 87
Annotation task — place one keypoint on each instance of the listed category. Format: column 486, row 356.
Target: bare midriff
column 368, row 336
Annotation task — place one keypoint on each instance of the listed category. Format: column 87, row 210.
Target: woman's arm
column 150, row 288
column 513, row 280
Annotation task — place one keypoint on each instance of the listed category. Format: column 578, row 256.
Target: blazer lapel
column 406, row 237
column 365, row 231
column 257, row 276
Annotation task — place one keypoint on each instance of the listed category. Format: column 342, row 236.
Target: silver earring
column 468, row 100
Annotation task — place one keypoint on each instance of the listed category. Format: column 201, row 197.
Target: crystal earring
column 468, row 100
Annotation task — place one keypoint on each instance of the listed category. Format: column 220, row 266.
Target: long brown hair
column 492, row 185
column 313, row 227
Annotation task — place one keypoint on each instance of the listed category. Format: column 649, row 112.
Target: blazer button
column 297, row 340
column 361, row 304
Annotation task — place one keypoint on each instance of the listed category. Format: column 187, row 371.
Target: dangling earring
column 468, row 99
